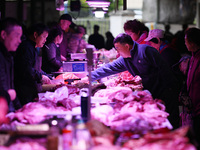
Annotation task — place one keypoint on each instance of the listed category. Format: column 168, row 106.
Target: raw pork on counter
column 34, row 112
column 24, row 146
column 135, row 83
column 61, row 100
column 174, row 140
column 136, row 111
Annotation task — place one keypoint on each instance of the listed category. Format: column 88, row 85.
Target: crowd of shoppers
column 149, row 54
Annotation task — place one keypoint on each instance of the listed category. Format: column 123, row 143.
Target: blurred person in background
column 10, row 38
column 181, row 69
column 28, row 80
column 193, row 79
column 168, row 35
column 51, row 58
column 109, row 40
column 156, row 39
column 65, row 21
column 97, row 39
column 179, row 41
column 76, row 43
column 137, row 30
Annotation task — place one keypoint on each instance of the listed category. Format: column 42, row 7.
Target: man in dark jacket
column 96, row 39
column 27, row 78
column 10, row 38
column 145, row 61
column 65, row 21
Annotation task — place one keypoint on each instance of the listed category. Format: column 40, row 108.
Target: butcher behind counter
column 146, row 62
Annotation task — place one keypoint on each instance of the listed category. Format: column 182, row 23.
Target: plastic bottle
column 67, row 133
column 82, row 137
column 53, row 138
column 84, row 104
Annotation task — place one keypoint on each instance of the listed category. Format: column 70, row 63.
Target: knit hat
column 155, row 33
column 66, row 17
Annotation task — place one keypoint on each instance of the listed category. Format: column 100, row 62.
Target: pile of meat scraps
column 125, row 79
column 33, row 113
column 174, row 140
column 24, row 146
column 130, row 111
column 61, row 100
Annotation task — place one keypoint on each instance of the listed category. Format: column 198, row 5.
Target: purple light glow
column 98, row 3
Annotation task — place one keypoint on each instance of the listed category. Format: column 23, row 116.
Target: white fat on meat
column 132, row 107
column 59, row 94
column 34, row 112
column 135, row 115
column 26, row 146
column 123, row 94
column 102, row 113
column 128, row 122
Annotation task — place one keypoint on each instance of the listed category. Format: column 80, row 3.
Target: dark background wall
column 30, row 12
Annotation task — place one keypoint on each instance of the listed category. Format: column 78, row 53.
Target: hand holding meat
column 45, row 80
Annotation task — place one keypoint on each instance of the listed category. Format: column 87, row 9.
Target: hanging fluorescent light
column 98, row 3
column 99, row 12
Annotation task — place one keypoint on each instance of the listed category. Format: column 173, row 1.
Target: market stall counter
column 123, row 116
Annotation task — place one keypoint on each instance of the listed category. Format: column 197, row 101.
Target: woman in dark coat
column 28, row 79
column 51, row 58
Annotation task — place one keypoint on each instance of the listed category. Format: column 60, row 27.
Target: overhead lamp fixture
column 59, row 5
column 98, row 3
column 99, row 12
